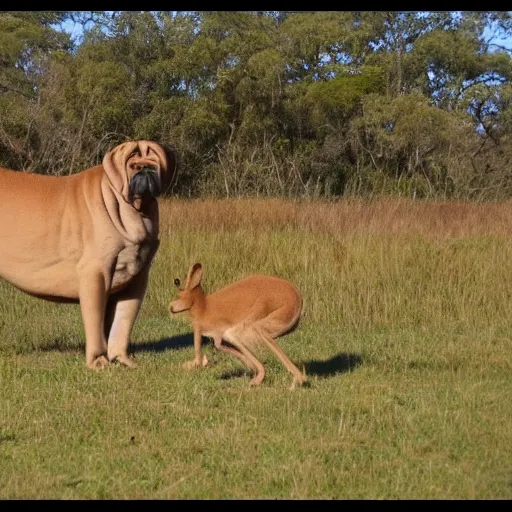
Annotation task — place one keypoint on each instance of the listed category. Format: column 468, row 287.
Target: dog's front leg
column 93, row 300
column 125, row 306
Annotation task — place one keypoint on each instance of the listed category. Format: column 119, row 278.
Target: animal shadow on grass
column 56, row 345
column 185, row 341
column 341, row 363
column 173, row 343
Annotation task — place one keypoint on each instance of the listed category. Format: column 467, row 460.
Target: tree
column 27, row 43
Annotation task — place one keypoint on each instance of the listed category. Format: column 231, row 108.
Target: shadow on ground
column 173, row 343
column 236, row 373
column 57, row 345
column 342, row 363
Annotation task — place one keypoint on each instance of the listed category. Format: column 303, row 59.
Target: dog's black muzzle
column 146, row 181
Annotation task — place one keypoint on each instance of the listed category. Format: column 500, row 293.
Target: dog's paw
column 98, row 363
column 126, row 361
column 190, row 365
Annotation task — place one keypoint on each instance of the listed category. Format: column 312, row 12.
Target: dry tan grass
column 381, row 216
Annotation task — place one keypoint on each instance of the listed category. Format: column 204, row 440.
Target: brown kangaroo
column 250, row 312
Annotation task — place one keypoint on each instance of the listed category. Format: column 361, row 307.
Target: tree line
column 267, row 102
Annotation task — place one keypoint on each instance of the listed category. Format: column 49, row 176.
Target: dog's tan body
column 246, row 313
column 79, row 239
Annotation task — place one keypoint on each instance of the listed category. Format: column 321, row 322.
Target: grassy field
column 405, row 336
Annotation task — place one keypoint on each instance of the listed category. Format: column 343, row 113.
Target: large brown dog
column 90, row 238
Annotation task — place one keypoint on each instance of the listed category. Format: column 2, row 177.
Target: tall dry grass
column 434, row 220
column 363, row 264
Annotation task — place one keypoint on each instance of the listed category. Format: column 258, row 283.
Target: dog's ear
column 115, row 168
column 168, row 178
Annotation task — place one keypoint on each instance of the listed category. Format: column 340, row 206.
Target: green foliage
column 453, row 59
column 345, row 90
column 332, row 101
column 219, row 83
column 409, row 140
column 308, row 36
column 27, row 45
column 105, row 88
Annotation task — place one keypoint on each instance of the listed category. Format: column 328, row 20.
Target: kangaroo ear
column 194, row 276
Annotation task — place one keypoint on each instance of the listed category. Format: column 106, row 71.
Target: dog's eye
column 177, row 283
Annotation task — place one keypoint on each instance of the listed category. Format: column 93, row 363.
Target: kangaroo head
column 188, row 293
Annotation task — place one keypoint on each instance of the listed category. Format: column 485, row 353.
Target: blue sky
column 502, row 39
column 505, row 40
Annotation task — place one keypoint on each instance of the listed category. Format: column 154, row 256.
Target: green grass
column 405, row 337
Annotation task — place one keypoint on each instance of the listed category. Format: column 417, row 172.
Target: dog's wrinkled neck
column 143, row 203
column 133, row 225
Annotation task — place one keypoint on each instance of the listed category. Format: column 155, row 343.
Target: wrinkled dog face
column 143, row 170
column 139, row 169
column 144, row 182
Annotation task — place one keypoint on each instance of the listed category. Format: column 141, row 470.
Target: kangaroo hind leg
column 237, row 338
column 234, row 352
column 299, row 377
